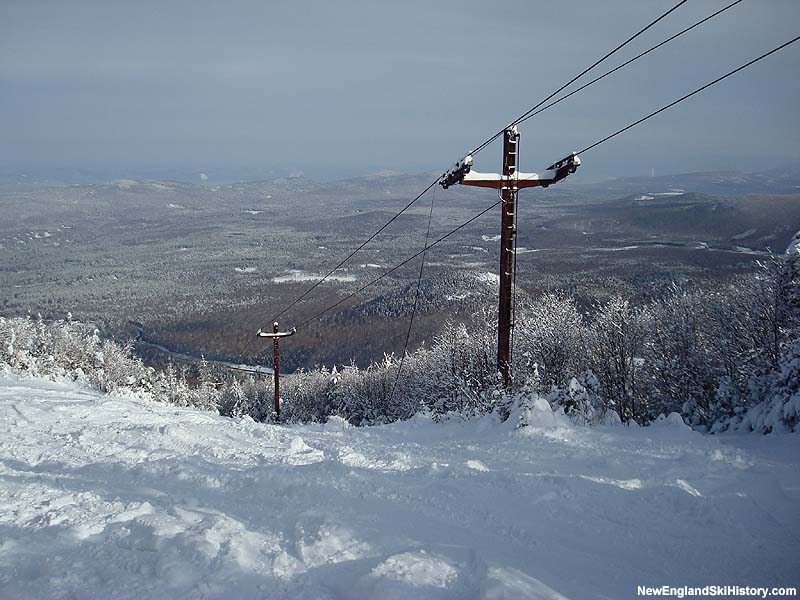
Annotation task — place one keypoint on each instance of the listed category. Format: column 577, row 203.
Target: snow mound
column 673, row 420
column 794, row 247
column 535, row 412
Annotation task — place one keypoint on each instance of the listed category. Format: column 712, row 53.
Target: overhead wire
column 528, row 114
column 478, row 149
column 400, row 265
column 341, row 263
column 354, row 252
column 578, row 76
column 588, row 148
column 689, row 95
column 416, row 299
column 627, row 62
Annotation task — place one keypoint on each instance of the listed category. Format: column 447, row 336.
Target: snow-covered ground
column 116, row 497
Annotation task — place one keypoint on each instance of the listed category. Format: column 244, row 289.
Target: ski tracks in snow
column 118, row 497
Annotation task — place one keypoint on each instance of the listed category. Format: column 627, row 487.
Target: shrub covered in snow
column 775, row 398
column 616, row 341
column 551, row 334
column 69, row 349
column 581, row 400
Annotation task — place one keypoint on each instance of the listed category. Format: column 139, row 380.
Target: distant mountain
column 717, row 183
column 390, row 184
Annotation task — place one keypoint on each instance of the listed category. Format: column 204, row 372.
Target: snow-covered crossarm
column 261, row 333
column 553, row 174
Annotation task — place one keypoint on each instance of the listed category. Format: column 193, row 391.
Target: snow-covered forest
column 725, row 358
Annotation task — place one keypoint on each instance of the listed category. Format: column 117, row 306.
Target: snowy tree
column 678, row 361
column 170, row 386
column 234, row 401
column 207, row 395
column 617, row 338
column 775, row 398
column 550, row 333
column 462, row 367
column 364, row 396
column 115, row 368
column 306, row 396
column 580, row 399
column 260, row 398
column 752, row 322
column 527, row 396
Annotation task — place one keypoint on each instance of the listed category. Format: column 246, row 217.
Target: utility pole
column 508, row 233
column 509, row 183
column 276, row 335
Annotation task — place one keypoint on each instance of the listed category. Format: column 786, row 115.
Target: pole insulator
column 456, row 174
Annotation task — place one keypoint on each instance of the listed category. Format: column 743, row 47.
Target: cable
column 627, row 62
column 689, row 95
column 402, row 264
column 583, row 151
column 353, row 253
column 478, row 149
column 416, row 299
column 578, row 76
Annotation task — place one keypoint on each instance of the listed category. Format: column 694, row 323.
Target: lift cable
column 689, row 95
column 354, row 252
column 402, row 264
column 578, row 76
column 483, row 145
column 626, row 63
column 605, row 139
column 416, row 298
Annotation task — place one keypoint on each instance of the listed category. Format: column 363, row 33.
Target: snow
column 744, row 234
column 299, row 276
column 121, row 497
column 125, row 184
column 488, row 277
column 794, row 246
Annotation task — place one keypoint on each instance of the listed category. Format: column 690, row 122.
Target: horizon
column 80, row 176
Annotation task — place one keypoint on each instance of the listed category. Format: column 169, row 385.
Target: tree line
column 723, row 358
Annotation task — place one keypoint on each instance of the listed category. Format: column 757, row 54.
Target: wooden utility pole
column 276, row 335
column 508, row 232
column 509, row 183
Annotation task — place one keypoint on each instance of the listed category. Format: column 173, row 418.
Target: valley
column 201, row 268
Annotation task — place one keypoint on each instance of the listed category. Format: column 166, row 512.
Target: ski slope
column 117, row 497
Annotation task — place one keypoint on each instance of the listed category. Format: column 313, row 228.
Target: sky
column 244, row 89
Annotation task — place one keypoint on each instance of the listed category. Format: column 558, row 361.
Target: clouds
column 362, row 86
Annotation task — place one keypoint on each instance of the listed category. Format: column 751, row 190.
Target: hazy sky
column 355, row 87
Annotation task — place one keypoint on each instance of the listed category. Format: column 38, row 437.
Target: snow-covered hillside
column 116, row 497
